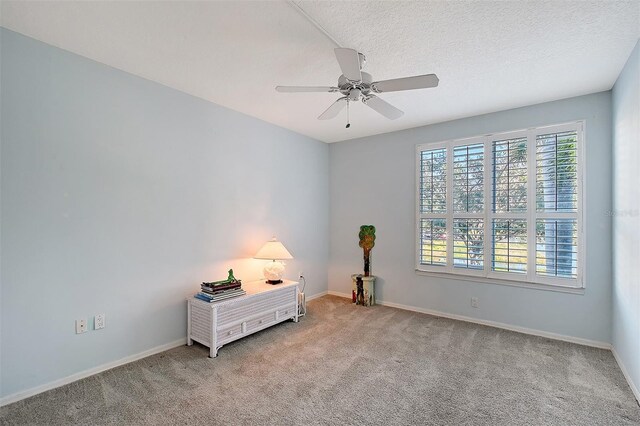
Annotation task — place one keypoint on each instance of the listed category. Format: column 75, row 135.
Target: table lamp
column 273, row 250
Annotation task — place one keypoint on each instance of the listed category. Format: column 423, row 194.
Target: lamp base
column 273, row 272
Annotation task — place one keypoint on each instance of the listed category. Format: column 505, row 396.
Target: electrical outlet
column 81, row 326
column 474, row 302
column 98, row 322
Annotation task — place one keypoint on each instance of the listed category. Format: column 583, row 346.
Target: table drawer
column 286, row 312
column 261, row 322
column 229, row 333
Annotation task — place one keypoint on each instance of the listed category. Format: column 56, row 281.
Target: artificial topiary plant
column 367, row 241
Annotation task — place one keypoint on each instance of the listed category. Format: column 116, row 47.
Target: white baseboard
column 345, row 295
column 315, row 296
column 90, row 372
column 634, row 388
column 524, row 330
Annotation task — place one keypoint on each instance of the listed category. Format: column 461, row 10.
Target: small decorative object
column 231, row 280
column 220, row 290
column 367, row 241
column 362, row 291
column 273, row 250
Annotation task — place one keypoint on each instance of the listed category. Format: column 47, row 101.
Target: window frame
column 530, row 279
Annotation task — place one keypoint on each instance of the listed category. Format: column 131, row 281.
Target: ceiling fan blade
column 334, row 109
column 383, row 107
column 407, row 83
column 349, row 62
column 300, row 89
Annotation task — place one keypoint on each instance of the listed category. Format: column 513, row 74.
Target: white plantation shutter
column 509, row 250
column 433, row 187
column 468, row 178
column 433, row 249
column 468, row 206
column 557, row 247
column 509, row 180
column 433, row 206
column 556, row 172
column 503, row 207
column 557, row 204
column 468, row 240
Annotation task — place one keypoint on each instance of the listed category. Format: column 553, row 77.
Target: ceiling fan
column 357, row 85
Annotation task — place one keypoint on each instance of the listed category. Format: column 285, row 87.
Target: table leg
column 189, row 341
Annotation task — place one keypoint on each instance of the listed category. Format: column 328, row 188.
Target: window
column 503, row 207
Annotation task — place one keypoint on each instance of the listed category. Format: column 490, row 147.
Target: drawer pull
column 230, row 333
column 286, row 312
column 260, row 322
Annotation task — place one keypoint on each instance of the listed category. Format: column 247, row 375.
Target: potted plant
column 367, row 241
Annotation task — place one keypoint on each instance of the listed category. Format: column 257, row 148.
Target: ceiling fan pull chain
column 348, row 124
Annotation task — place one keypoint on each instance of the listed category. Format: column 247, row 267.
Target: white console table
column 216, row 324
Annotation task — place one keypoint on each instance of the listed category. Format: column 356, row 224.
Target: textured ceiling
column 489, row 56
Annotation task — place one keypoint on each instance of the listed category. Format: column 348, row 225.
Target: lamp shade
column 273, row 250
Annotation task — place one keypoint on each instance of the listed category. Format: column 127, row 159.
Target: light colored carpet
column 346, row 364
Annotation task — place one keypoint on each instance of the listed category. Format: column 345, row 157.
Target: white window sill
column 511, row 283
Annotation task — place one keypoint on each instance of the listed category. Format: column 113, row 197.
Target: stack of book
column 220, row 290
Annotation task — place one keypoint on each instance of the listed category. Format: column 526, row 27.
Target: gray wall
column 626, row 218
column 119, row 196
column 373, row 182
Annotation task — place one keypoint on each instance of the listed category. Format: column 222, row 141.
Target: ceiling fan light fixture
column 354, row 95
